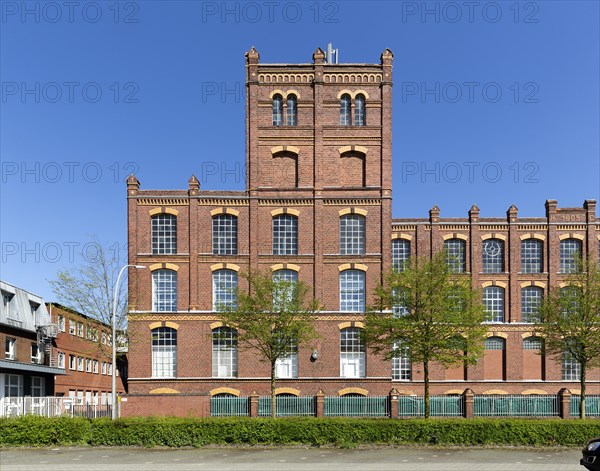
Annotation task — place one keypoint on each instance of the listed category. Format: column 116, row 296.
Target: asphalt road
column 289, row 459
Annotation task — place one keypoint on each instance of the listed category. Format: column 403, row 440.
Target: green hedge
column 177, row 432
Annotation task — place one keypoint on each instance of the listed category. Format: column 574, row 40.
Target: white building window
column 88, row 365
column 79, row 364
column 455, row 250
column 401, row 364
column 72, row 327
column 36, row 354
column 38, row 386
column 360, row 114
column 164, row 352
column 287, row 366
column 352, row 353
column 531, row 298
column 225, row 284
column 493, row 256
column 72, row 362
column 95, row 366
column 164, row 290
column 225, row 234
column 10, row 349
column 493, row 300
column 400, row 254
column 61, row 360
column 570, row 249
column 224, row 353
column 164, row 234
column 13, row 385
column 285, row 235
column 531, row 256
column 352, row 234
column 61, row 323
column 352, row 291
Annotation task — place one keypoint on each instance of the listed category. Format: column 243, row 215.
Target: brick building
column 317, row 207
column 83, row 348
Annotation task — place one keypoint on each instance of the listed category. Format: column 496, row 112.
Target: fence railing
column 51, row 406
column 229, row 406
column 355, row 406
column 592, row 406
column 287, row 406
column 516, row 406
column 439, row 406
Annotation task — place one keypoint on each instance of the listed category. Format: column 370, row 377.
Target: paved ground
column 291, row 459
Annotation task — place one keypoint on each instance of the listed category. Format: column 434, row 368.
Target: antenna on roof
column 332, row 54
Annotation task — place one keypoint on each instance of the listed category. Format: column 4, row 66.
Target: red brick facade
column 320, row 170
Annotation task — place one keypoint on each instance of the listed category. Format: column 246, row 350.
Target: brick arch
column 277, row 92
column 160, row 266
column 532, row 235
column 156, row 325
column 455, row 236
column 291, row 149
column 230, row 211
column 453, row 392
column 163, row 210
column 402, row 236
column 285, row 266
column 361, row 391
column 493, row 235
column 163, row 391
column 224, row 266
column 352, row 266
column 223, row 390
column 495, row 391
column 292, row 391
column 501, row 284
column 345, row 325
column 278, row 211
column 534, row 391
column 538, row 284
column 496, row 334
column 345, row 211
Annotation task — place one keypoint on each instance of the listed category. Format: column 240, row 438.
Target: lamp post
column 114, row 342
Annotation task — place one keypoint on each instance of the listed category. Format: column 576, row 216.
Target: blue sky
column 494, row 103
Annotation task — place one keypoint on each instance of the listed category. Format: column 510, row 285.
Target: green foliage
column 342, row 432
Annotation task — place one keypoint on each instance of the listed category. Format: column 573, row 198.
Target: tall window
column 345, row 110
column 285, row 235
column 493, row 300
column 36, row 353
column 569, row 249
column 494, row 343
column 10, row 349
column 164, row 290
column 164, row 234
column 531, row 256
column 570, row 299
column 531, row 298
column 277, row 110
column 352, row 234
column 352, row 353
column 225, row 234
column 285, row 291
column 352, row 291
column 225, row 284
column 13, row 385
column 164, row 352
column 360, row 117
column 571, row 368
column 292, row 111
column 455, row 255
column 287, row 366
column 400, row 254
column 493, row 256
column 533, row 343
column 401, row 364
column 224, row 353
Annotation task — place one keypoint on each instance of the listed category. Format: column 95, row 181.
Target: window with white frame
column 352, row 291
column 224, row 353
column 225, row 234
column 36, row 353
column 570, row 298
column 352, row 234
column 61, row 323
column 493, row 256
column 33, row 307
column 352, row 353
column 284, row 288
column 292, row 110
column 88, row 365
column 345, row 110
column 360, row 112
column 532, row 256
column 570, row 249
column 103, row 366
column 79, row 363
column 38, row 386
column 10, row 348
column 13, row 385
column 571, row 368
column 164, row 234
column 285, row 234
column 455, row 252
column 531, row 299
column 286, row 366
column 533, row 343
column 493, row 301
column 109, row 369
column 401, row 364
column 72, row 362
column 61, row 360
column 400, row 301
column 164, row 352
column 95, row 370
column 164, row 290
column 494, row 343
column 72, row 327
column 400, row 254
column 79, row 329
column 225, row 284
column 6, row 297
column 277, row 110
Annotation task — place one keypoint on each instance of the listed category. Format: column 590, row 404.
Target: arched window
column 292, row 110
column 493, row 256
column 400, row 254
column 164, row 290
column 224, row 353
column 225, row 234
column 571, row 368
column 352, row 291
column 286, row 365
column 533, row 343
column 494, row 360
column 493, row 300
column 455, row 255
column 401, row 364
column 352, row 353
column 531, row 298
column 570, row 249
column 285, row 234
column 360, row 113
column 164, row 234
column 570, row 299
column 352, row 234
column 494, row 343
column 164, row 352
column 345, row 110
column 532, row 256
column 284, row 289
column 277, row 110
column 225, row 284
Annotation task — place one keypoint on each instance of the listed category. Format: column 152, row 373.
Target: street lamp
column 114, row 342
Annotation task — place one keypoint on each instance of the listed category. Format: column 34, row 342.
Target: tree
column 570, row 322
column 274, row 317
column 89, row 288
column 428, row 313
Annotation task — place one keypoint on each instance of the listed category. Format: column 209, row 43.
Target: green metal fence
column 592, row 406
column 357, row 406
column 516, row 406
column 228, row 406
column 439, row 406
column 287, row 406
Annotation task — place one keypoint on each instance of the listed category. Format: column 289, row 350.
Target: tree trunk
column 582, row 401
column 273, row 402
column 426, row 379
